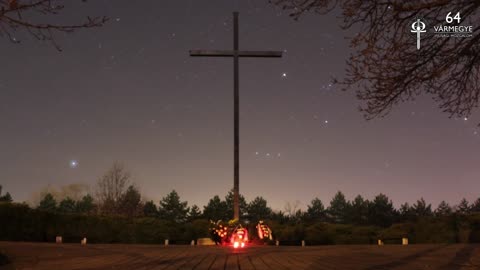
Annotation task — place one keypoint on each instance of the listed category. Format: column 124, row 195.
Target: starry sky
column 130, row 92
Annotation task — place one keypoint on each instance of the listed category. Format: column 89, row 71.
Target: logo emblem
column 418, row 27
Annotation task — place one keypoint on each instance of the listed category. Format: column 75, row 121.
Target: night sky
column 130, row 92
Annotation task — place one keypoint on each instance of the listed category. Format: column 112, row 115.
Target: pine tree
column 258, row 210
column 406, row 212
column 5, row 198
column 242, row 203
column 359, row 211
column 476, row 206
column 381, row 211
column 421, row 209
column 130, row 203
column 150, row 209
column 172, row 209
column 339, row 208
column 316, row 210
column 463, row 207
column 67, row 206
column 443, row 209
column 216, row 209
column 86, row 205
column 48, row 203
column 194, row 213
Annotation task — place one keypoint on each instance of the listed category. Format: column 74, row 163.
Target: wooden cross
column 236, row 54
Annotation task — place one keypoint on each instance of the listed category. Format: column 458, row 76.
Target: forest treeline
column 359, row 211
column 117, row 201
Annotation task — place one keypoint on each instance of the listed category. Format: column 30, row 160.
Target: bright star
column 284, row 75
column 73, row 164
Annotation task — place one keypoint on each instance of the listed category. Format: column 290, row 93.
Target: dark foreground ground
column 75, row 256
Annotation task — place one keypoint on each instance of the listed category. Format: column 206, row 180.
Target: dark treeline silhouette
column 360, row 221
column 116, row 212
column 377, row 212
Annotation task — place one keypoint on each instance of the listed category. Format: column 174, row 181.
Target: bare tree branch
column 386, row 68
column 111, row 187
column 13, row 18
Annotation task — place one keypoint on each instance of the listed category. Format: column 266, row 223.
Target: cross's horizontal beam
column 230, row 53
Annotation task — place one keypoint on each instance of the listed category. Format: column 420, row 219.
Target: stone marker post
column 404, row 241
column 58, row 239
column 84, row 241
column 166, row 242
column 277, row 243
column 380, row 242
column 192, row 243
column 303, row 243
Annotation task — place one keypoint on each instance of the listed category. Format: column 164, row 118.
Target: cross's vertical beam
column 236, row 136
column 236, row 54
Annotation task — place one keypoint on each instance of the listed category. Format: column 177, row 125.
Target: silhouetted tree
column 74, row 191
column 293, row 213
column 316, row 211
column 67, row 206
column 406, row 212
column 463, row 207
column 17, row 15
column 386, row 68
column 299, row 216
column 111, row 188
column 279, row 216
column 381, row 211
column 291, row 208
column 421, row 209
column 338, row 209
column 131, row 203
column 216, row 209
column 194, row 213
column 359, row 211
column 242, row 205
column 86, row 205
column 443, row 209
column 48, row 203
column 258, row 210
column 5, row 198
column 172, row 209
column 150, row 209
column 476, row 206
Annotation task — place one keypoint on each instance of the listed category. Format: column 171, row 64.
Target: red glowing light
column 235, row 245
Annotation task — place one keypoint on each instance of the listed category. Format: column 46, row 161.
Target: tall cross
column 236, row 54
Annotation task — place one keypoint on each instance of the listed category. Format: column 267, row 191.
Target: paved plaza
column 121, row 256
